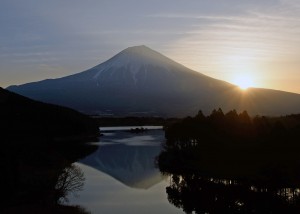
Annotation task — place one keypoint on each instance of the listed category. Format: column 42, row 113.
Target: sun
column 243, row 81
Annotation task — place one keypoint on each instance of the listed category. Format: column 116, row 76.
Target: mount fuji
column 139, row 81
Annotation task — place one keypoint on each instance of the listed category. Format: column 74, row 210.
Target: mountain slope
column 26, row 119
column 141, row 81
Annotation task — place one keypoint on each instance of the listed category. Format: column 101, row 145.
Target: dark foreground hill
column 139, row 81
column 39, row 143
column 26, row 119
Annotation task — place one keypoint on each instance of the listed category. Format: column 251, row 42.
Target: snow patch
column 135, row 59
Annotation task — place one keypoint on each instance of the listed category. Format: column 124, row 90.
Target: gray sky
column 225, row 39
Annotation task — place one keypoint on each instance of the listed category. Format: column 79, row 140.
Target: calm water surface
column 121, row 176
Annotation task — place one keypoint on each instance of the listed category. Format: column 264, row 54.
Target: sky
column 232, row 40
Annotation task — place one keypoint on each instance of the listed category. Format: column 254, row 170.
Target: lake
column 132, row 171
column 121, row 175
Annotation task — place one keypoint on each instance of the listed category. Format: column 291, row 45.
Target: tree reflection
column 39, row 178
column 194, row 193
column 211, row 181
column 198, row 185
column 70, row 181
column 230, row 163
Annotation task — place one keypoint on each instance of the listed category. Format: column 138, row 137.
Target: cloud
column 203, row 35
column 254, row 39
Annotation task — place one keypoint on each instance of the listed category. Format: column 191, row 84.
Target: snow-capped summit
column 141, row 81
column 131, row 66
column 134, row 60
column 138, row 56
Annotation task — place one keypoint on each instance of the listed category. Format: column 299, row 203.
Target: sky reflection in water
column 121, row 176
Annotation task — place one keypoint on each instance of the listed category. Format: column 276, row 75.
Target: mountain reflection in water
column 122, row 176
column 129, row 158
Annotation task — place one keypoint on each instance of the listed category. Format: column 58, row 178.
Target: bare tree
column 69, row 181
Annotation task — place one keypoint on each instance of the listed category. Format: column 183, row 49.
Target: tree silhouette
column 244, row 117
column 70, row 180
column 194, row 193
column 217, row 115
column 200, row 116
column 232, row 163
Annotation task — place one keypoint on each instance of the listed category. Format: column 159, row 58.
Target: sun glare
column 241, row 67
column 243, row 81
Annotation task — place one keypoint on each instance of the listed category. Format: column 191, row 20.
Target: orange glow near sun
column 242, row 67
column 243, row 81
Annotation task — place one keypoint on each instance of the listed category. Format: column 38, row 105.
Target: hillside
column 26, row 119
